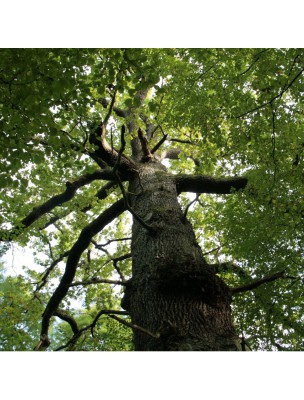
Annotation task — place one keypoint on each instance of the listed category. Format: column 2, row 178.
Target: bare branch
column 125, row 197
column 157, row 146
column 118, row 111
column 258, row 282
column 181, row 141
column 95, row 281
column 228, row 267
column 144, row 145
column 212, row 251
column 50, row 269
column 75, row 253
column 172, row 154
column 116, row 260
column 189, row 205
column 208, row 184
column 255, row 60
column 130, row 209
column 105, row 122
column 111, row 241
column 137, row 327
column 43, row 343
column 101, row 194
column 67, row 318
column 110, row 156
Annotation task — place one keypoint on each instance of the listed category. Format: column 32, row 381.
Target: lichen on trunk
column 173, row 293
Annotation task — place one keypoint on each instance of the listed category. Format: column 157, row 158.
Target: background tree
column 223, row 121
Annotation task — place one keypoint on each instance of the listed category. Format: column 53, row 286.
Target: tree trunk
column 174, row 294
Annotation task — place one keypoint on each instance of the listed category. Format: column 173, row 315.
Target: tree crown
column 220, row 113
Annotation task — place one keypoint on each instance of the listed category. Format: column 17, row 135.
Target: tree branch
column 55, row 201
column 157, row 146
column 208, row 184
column 75, row 253
column 137, row 327
column 67, row 318
column 118, row 111
column 125, row 197
column 144, row 145
column 110, row 155
column 91, row 326
column 172, row 154
column 98, row 246
column 101, row 194
column 96, row 281
column 116, row 260
column 228, row 267
column 50, row 269
column 188, row 206
column 269, row 102
column 258, row 282
column 255, row 60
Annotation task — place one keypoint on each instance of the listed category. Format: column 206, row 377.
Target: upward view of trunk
column 174, row 298
column 174, row 295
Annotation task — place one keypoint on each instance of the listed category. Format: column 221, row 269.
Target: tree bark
column 173, row 293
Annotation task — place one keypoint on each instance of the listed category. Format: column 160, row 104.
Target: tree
column 216, row 269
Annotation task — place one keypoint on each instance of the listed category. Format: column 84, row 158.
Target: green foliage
column 229, row 111
column 20, row 315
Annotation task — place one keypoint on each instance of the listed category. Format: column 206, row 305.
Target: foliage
column 20, row 316
column 228, row 111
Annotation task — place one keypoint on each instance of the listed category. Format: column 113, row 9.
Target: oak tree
column 161, row 190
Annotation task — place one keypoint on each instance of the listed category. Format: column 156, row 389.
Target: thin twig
column 258, row 282
column 137, row 327
column 50, row 269
column 116, row 260
column 273, row 141
column 211, row 251
column 189, row 205
column 107, row 117
column 96, row 281
column 256, row 58
column 111, row 241
column 286, row 87
column 91, row 326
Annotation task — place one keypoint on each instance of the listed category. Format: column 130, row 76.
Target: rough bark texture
column 173, row 292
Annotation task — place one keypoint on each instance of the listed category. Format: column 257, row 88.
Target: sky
column 17, row 257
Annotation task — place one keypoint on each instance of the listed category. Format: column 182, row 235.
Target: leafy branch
column 90, row 327
column 100, row 195
column 269, row 102
column 55, row 201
